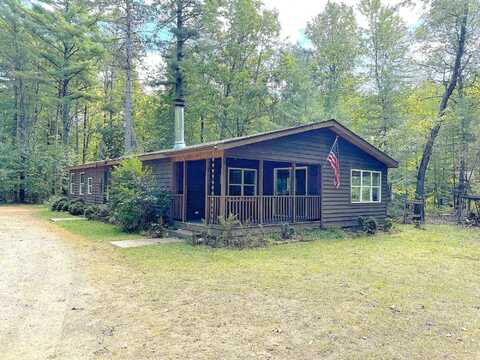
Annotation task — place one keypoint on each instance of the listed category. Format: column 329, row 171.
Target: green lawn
column 93, row 230
column 413, row 294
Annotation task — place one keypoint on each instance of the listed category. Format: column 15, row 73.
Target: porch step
column 180, row 233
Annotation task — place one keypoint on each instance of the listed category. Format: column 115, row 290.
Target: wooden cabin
column 270, row 178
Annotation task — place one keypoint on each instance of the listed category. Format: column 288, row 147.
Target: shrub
column 388, row 224
column 97, row 212
column 155, row 230
column 76, row 208
column 287, row 232
column 134, row 201
column 368, row 225
column 90, row 212
column 57, row 202
column 64, row 205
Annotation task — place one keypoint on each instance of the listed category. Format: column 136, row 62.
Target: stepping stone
column 143, row 242
column 67, row 219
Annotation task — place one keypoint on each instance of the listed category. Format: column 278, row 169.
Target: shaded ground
column 411, row 295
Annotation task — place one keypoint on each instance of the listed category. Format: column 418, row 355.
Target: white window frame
column 242, row 184
column 371, row 186
column 82, row 184
column 72, row 183
column 275, row 171
column 90, row 185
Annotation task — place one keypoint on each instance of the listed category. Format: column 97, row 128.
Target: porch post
column 184, row 198
column 260, row 190
column 293, row 188
column 223, row 186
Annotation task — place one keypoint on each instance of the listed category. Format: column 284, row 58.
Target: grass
column 413, row 294
column 93, row 230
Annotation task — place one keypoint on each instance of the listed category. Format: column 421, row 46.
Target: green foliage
column 287, row 232
column 97, row 212
column 368, row 225
column 58, row 203
column 388, row 224
column 134, row 202
column 76, row 208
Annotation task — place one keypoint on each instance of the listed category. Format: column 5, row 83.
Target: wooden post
column 205, row 211
column 293, row 190
column 260, row 191
column 184, row 200
column 223, row 186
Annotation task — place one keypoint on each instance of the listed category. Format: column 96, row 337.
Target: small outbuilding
column 318, row 174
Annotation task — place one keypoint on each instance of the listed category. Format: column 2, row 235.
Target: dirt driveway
column 60, row 298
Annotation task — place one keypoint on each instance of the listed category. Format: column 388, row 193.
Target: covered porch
column 255, row 191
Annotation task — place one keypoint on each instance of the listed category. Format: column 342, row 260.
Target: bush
column 155, row 231
column 388, row 224
column 90, row 212
column 57, row 202
column 97, row 212
column 77, row 208
column 287, row 232
column 368, row 225
column 64, row 205
column 135, row 203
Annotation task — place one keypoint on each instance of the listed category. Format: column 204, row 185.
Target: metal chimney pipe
column 179, row 124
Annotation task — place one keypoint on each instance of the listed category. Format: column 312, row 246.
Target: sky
column 294, row 16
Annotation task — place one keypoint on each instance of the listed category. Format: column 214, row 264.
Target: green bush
column 90, row 212
column 64, row 205
column 76, row 208
column 134, row 201
column 368, row 225
column 388, row 224
column 56, row 203
column 97, row 212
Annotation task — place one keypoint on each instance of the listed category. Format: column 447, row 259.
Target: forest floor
column 413, row 294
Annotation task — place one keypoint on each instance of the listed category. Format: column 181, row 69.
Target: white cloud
column 294, row 15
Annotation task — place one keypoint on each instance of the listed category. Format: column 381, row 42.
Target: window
column 366, row 186
column 72, row 183
column 282, row 181
column 89, row 186
column 242, row 182
column 82, row 184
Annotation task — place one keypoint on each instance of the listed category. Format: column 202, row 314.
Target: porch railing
column 176, row 208
column 264, row 209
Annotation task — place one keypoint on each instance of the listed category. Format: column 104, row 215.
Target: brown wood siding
column 162, row 170
column 96, row 197
column 312, row 148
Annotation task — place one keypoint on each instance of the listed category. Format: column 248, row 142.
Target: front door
column 195, row 190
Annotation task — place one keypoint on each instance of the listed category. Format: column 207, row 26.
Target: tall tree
column 386, row 44
column 334, row 36
column 450, row 35
column 67, row 35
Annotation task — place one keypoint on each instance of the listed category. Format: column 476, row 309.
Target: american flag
column 334, row 161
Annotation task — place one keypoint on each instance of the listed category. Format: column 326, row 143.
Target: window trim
column 81, row 184
column 90, row 185
column 295, row 185
column 72, row 183
column 242, row 184
column 361, row 201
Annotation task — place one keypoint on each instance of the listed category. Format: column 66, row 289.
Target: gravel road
column 62, row 298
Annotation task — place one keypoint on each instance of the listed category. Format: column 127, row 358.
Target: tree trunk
column 428, row 149
column 128, row 121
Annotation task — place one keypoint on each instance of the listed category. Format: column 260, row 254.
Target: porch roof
column 333, row 125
